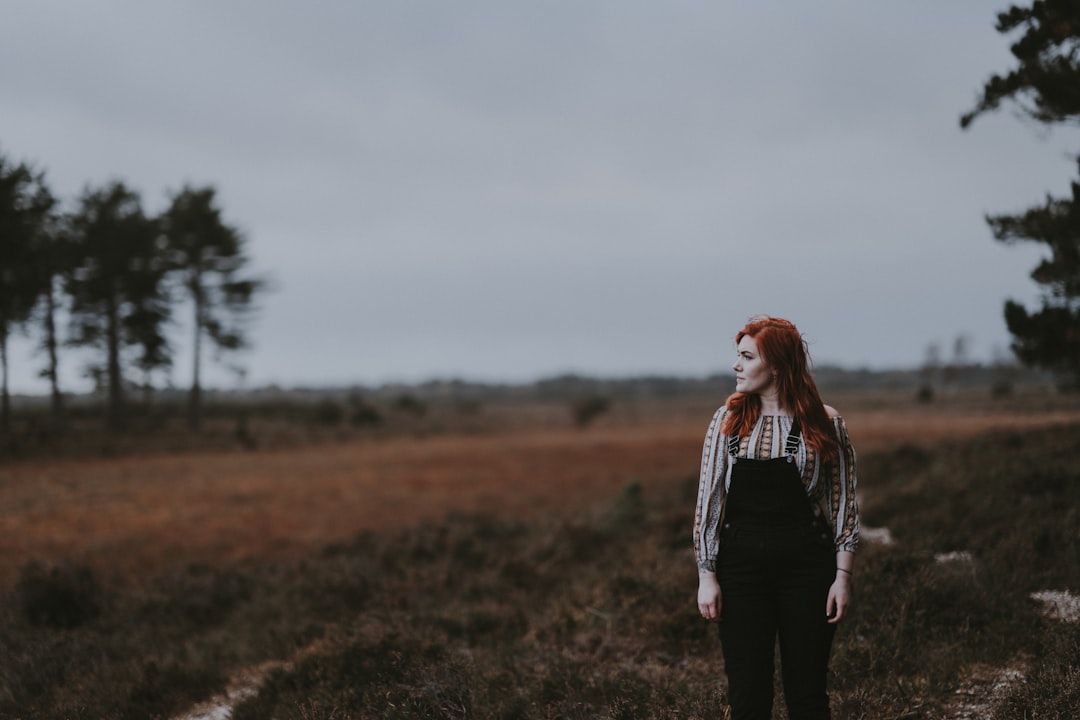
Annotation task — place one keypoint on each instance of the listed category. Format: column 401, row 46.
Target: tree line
column 1045, row 86
column 116, row 275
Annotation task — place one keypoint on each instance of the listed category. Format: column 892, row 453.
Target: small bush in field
column 587, row 409
column 61, row 596
column 410, row 405
column 362, row 413
column 328, row 412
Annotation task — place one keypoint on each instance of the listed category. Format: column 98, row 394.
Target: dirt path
column 220, row 707
column 984, row 686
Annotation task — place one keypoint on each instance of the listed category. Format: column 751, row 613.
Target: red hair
column 784, row 351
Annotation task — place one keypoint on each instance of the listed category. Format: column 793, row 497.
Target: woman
column 776, row 525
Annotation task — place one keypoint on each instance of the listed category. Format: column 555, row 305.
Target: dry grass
column 518, row 573
column 132, row 514
column 138, row 514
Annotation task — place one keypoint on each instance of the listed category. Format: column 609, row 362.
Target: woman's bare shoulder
column 831, row 412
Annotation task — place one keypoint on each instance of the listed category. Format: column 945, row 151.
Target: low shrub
column 60, row 596
column 587, row 409
column 328, row 412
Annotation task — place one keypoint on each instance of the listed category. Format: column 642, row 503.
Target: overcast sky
column 499, row 190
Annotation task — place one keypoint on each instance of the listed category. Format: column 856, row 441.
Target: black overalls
column 775, row 567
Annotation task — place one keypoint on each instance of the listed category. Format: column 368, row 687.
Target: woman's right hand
column 708, row 596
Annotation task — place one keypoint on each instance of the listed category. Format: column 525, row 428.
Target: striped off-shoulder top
column 829, row 485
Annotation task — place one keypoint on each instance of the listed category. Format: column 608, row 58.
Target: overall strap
column 733, row 445
column 791, row 443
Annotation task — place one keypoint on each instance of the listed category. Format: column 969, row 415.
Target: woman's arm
column 836, row 606
column 841, row 489
column 707, row 517
column 845, row 519
column 707, row 512
column 709, row 598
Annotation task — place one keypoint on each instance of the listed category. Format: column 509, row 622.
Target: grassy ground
column 549, row 612
column 145, row 505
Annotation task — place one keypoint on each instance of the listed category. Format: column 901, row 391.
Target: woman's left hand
column 836, row 606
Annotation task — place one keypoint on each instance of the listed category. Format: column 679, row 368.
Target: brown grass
column 142, row 514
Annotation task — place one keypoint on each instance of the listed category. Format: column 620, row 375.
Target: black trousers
column 774, row 582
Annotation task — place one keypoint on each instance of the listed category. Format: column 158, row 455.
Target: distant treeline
column 116, row 276
column 569, row 387
column 828, row 377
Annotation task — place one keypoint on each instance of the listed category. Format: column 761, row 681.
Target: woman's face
column 752, row 375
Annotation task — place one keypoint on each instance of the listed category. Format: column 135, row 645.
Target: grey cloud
column 507, row 189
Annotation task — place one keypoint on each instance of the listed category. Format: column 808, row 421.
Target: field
column 524, row 568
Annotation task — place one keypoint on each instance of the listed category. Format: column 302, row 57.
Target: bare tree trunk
column 54, row 362
column 195, row 397
column 5, row 402
column 117, row 415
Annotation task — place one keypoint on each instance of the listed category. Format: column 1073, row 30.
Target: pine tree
column 1045, row 85
column 24, row 205
column 209, row 256
column 119, row 300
